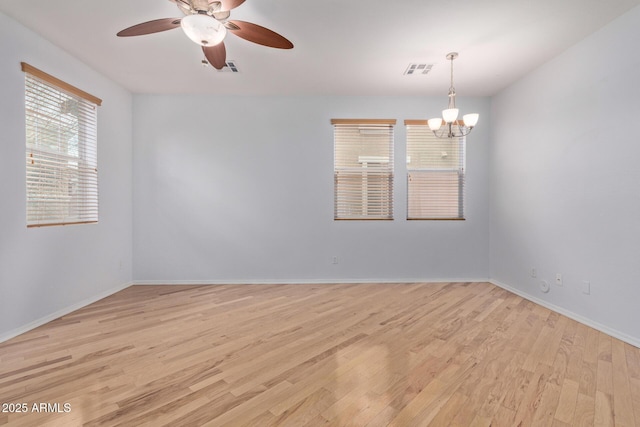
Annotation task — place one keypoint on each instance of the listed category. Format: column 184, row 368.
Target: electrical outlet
column 559, row 279
column 335, row 260
column 586, row 287
column 533, row 273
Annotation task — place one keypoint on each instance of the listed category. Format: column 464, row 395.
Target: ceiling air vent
column 418, row 69
column 229, row 67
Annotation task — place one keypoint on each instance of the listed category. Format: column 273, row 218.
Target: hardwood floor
column 415, row 354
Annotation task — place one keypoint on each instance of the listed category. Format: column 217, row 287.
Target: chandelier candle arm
column 454, row 128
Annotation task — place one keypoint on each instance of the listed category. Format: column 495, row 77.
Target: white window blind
column 363, row 168
column 61, row 151
column 435, row 173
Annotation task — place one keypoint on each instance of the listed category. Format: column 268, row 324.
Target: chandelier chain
column 451, row 87
column 452, row 90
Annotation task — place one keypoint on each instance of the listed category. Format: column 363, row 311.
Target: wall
column 565, row 181
column 45, row 272
column 240, row 189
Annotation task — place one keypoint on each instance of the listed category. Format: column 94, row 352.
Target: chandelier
column 453, row 128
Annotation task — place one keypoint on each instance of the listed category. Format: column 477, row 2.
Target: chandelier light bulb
column 450, row 115
column 470, row 120
column 203, row 29
column 434, row 124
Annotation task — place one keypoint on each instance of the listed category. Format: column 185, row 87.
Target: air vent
column 230, row 67
column 418, row 69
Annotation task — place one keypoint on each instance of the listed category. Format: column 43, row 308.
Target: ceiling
column 349, row 47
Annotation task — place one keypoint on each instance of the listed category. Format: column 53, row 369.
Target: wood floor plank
column 567, row 402
column 622, row 403
column 584, row 415
column 633, row 361
column 635, row 396
column 604, row 416
column 563, row 354
column 604, row 381
column 530, row 401
column 588, row 370
column 305, row 410
column 604, row 347
column 450, row 409
column 404, row 354
column 574, row 364
column 545, row 412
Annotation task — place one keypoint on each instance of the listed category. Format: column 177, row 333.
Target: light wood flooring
column 458, row 354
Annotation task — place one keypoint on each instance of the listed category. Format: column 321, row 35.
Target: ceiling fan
column 206, row 23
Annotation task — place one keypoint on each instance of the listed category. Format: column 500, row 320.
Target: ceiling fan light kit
column 206, row 23
column 453, row 128
column 203, row 29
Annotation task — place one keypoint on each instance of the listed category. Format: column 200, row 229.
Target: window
column 61, row 151
column 435, row 173
column 363, row 168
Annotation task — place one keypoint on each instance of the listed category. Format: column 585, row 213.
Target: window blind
column 363, row 168
column 435, row 174
column 61, row 152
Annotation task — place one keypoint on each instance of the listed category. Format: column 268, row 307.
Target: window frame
column 346, row 178
column 61, row 151
column 459, row 170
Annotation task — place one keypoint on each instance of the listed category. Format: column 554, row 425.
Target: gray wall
column 240, row 189
column 48, row 271
column 565, row 180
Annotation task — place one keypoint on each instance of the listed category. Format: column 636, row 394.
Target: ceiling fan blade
column 216, row 55
column 230, row 4
column 151, row 27
column 261, row 35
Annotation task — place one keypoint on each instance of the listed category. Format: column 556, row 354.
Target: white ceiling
column 348, row 47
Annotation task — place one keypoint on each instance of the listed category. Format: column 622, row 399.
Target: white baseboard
column 48, row 318
column 578, row 318
column 298, row 281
